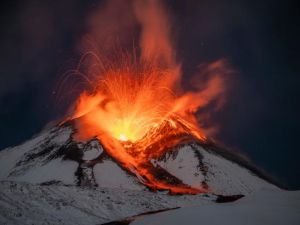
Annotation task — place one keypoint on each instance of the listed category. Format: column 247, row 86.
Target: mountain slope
column 24, row 203
column 274, row 207
column 54, row 179
column 55, row 157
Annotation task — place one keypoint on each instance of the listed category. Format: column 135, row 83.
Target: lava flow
column 135, row 105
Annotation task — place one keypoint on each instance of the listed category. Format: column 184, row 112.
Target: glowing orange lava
column 135, row 102
column 128, row 102
column 134, row 107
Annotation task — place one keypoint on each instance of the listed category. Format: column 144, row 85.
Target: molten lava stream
column 130, row 113
column 137, row 116
column 133, row 160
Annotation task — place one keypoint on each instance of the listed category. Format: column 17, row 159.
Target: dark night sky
column 259, row 38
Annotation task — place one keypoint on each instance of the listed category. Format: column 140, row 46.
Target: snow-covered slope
column 53, row 156
column 274, row 207
column 40, row 159
column 31, row 154
column 197, row 166
column 24, row 203
column 117, row 177
column 52, row 179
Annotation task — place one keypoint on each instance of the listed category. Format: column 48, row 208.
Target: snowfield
column 24, row 203
column 260, row 208
column 222, row 176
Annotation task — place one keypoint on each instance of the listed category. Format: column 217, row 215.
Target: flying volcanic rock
column 54, row 157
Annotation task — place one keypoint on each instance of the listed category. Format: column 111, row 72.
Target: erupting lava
column 131, row 100
column 135, row 105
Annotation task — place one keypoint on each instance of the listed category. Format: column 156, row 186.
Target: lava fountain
column 134, row 103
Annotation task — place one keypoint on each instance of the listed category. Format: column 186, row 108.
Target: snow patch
column 261, row 208
column 93, row 151
column 109, row 174
column 227, row 178
column 184, row 165
column 57, row 169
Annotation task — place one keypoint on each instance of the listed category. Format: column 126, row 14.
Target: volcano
column 135, row 138
column 184, row 165
column 56, row 179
